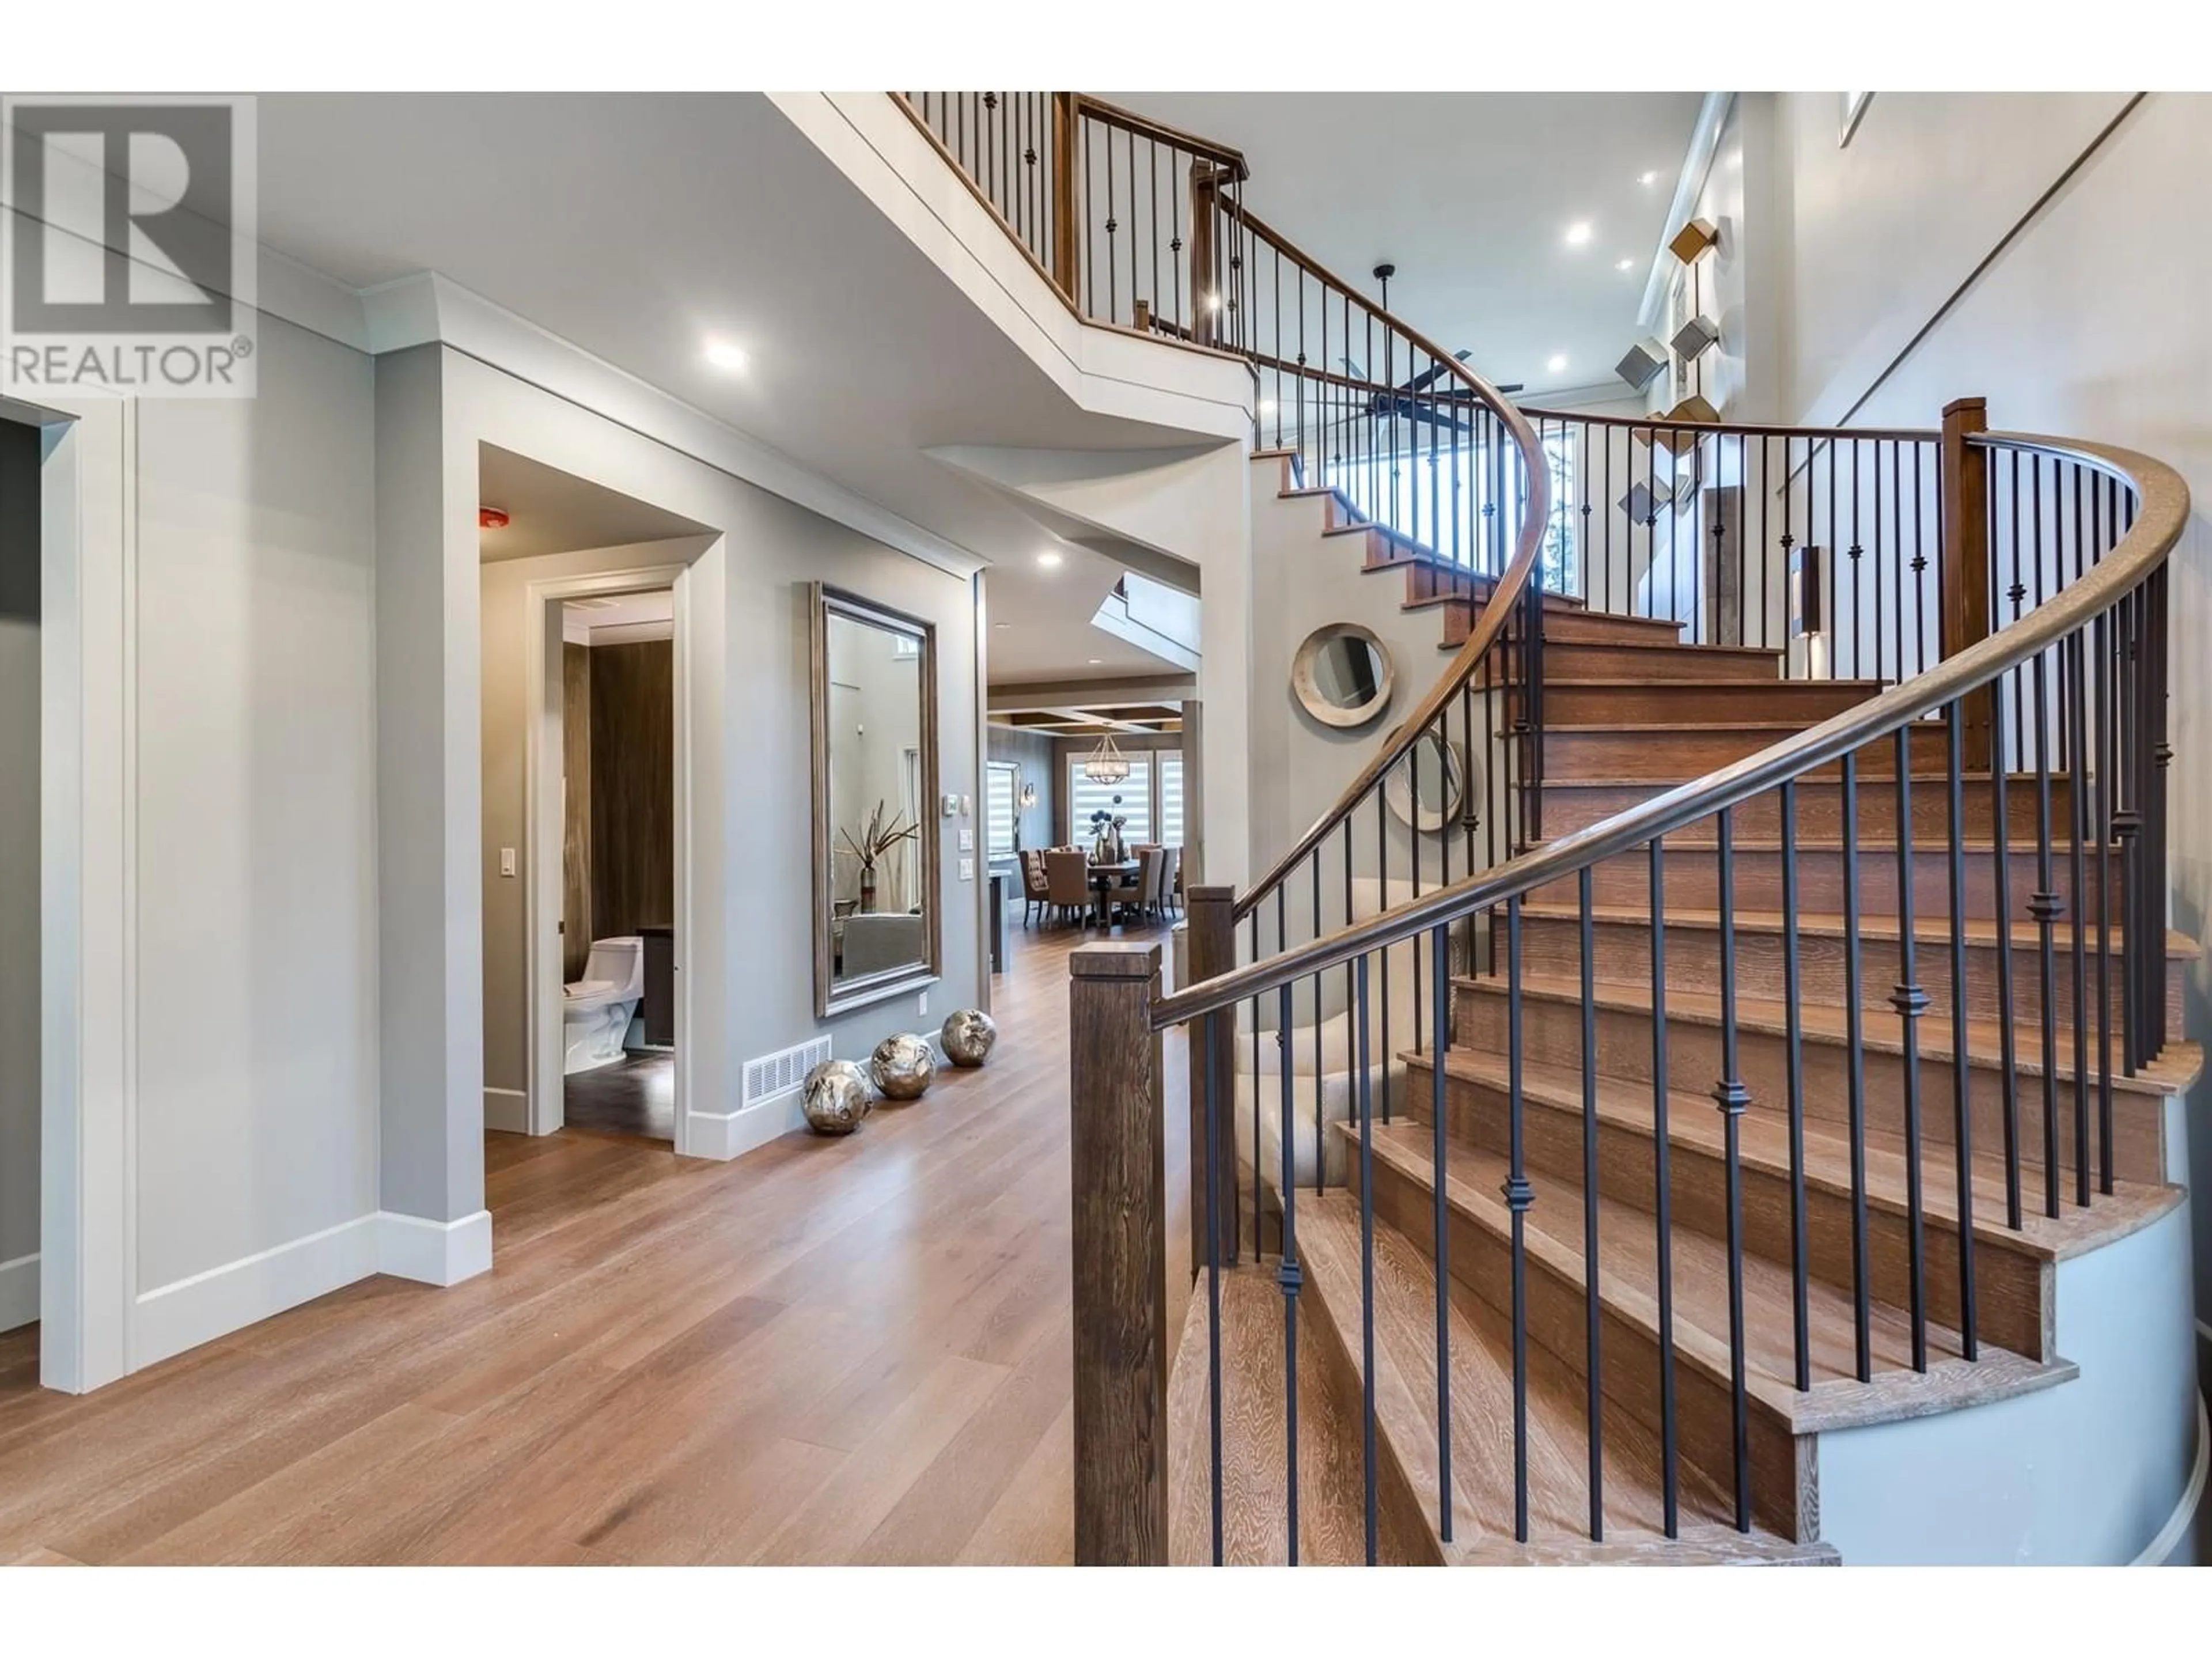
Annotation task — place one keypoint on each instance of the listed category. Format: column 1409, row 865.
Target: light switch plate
column 507, row 861
column 967, row 867
column 921, row 1002
column 967, row 841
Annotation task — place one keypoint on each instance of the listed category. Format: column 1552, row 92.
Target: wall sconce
column 1644, row 359
column 1027, row 797
column 1805, row 615
column 1693, row 411
column 1692, row 240
column 1695, row 337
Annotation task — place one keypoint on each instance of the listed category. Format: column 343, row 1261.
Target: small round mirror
column 1342, row 674
column 1428, row 788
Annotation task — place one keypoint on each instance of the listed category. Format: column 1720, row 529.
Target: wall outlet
column 507, row 861
column 921, row 1002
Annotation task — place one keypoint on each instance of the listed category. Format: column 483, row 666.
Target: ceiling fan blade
column 1352, row 369
column 1422, row 381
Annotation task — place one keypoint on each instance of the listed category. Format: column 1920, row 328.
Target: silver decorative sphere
column 902, row 1067
column 967, row 1036
column 837, row 1097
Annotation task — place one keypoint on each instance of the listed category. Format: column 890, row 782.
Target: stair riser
column 1742, row 699
column 1568, row 628
column 1481, row 1261
column 1819, row 810
column 1685, row 755
column 2012, row 1304
column 1692, row 881
column 1552, row 946
column 1552, row 1034
column 1642, row 665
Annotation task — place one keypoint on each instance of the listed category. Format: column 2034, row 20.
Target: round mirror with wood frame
column 1343, row 676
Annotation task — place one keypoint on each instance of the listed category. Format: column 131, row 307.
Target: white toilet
column 596, row 1010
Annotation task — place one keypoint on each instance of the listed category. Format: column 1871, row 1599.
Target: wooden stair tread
column 1936, row 930
column 2171, row 1074
column 1922, row 846
column 1764, row 1143
column 1481, row 1354
column 1628, row 1284
column 1332, row 1525
column 1870, row 688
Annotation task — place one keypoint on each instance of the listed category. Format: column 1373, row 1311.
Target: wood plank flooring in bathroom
column 847, row 1351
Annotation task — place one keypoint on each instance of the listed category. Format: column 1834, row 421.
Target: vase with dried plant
column 876, row 840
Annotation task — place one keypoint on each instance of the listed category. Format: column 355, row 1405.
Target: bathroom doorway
column 586, row 803
column 617, row 841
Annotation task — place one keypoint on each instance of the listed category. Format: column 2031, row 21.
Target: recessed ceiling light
column 723, row 355
column 1626, row 264
column 1048, row 560
column 1647, row 178
column 1002, row 625
column 1556, row 363
column 1213, row 302
column 1578, row 233
column 1095, row 661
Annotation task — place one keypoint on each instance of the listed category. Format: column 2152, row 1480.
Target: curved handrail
column 1511, row 582
column 2162, row 512
column 1144, row 126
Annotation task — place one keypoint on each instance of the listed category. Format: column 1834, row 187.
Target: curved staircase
column 1758, row 1139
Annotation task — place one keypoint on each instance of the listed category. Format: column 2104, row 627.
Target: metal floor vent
column 781, row 1073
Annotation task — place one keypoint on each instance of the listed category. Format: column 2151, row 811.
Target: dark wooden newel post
column 1212, row 949
column 1119, row 1156
column 1966, row 566
column 1066, row 247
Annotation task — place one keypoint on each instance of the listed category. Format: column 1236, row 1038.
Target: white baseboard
column 239, row 1293
column 19, row 1292
column 725, row 1135
column 434, row 1252
column 507, row 1109
column 2160, row 1551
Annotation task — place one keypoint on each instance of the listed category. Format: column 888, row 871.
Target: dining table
column 1104, row 877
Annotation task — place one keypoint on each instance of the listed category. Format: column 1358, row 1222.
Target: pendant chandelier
column 1106, row 763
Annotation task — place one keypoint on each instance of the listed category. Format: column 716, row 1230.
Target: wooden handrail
column 1739, row 428
column 1144, row 126
column 2162, row 514
column 1489, row 624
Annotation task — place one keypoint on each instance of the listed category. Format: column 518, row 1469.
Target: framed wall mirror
column 1342, row 674
column 877, row 926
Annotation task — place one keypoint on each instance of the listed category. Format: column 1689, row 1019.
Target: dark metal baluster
column 1794, row 1015
column 1321, row 1072
column 1257, row 1183
column 2001, row 877
column 1732, row 1097
column 1962, row 1126
column 2044, row 904
column 1213, row 1282
column 1861, row 1277
column 1366, row 1254
column 1518, row 1195
column 2103, row 783
column 1382, row 891
column 2077, row 817
column 1910, row 1002
column 1669, row 1455
column 1592, row 1375
column 1440, row 946
column 1288, row 1279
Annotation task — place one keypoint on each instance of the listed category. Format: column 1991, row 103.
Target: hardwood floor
column 829, row 1351
column 634, row 1096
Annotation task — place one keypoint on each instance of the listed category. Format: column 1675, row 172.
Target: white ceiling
column 1470, row 195
column 549, row 511
column 637, row 227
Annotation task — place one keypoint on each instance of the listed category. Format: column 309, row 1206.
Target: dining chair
column 1036, row 892
column 1171, row 879
column 1067, row 881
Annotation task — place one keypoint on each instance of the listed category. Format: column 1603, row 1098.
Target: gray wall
column 19, row 867
column 257, row 801
column 1037, row 756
